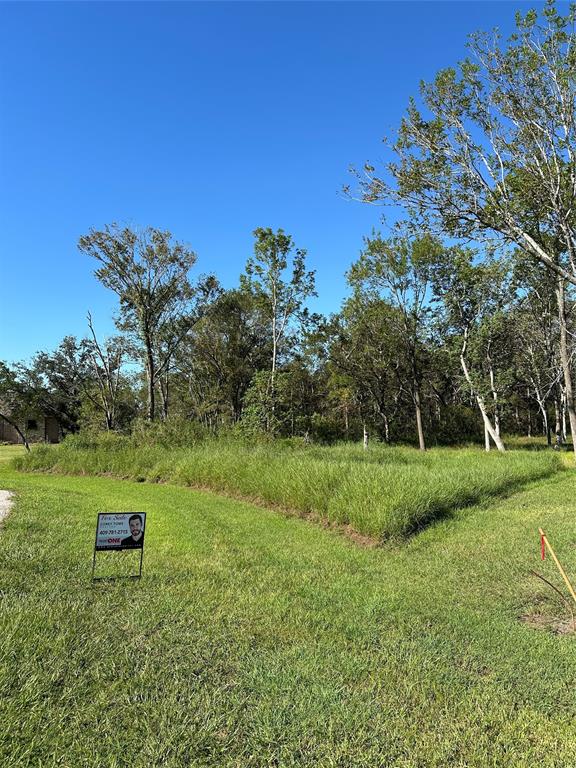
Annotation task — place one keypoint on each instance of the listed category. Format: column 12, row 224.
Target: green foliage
column 259, row 416
column 493, row 139
column 217, row 360
column 366, row 364
column 280, row 293
column 149, row 273
column 173, row 432
column 399, row 271
column 54, row 383
column 146, row 270
column 280, row 289
column 383, row 493
column 285, row 410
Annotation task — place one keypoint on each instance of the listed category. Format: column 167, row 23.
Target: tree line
column 459, row 324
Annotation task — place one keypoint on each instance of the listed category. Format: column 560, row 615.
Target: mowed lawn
column 257, row 639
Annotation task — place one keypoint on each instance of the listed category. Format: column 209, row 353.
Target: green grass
column 10, row 452
column 384, row 493
column 255, row 639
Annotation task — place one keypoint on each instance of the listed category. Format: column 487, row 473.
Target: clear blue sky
column 207, row 119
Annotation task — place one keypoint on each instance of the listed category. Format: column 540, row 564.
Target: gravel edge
column 5, row 504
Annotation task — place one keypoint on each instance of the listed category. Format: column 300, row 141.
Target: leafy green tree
column 52, row 384
column 296, row 403
column 400, row 269
column 535, row 321
column 56, row 381
column 277, row 276
column 366, row 366
column 473, row 295
column 490, row 134
column 217, row 360
column 158, row 303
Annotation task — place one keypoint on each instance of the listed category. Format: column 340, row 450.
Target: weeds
column 382, row 493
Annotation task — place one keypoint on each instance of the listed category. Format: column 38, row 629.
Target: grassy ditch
column 382, row 493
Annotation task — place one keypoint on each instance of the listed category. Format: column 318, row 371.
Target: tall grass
column 382, row 493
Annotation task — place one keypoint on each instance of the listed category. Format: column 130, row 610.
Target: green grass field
column 258, row 639
column 383, row 493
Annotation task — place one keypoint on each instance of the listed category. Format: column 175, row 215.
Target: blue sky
column 207, row 119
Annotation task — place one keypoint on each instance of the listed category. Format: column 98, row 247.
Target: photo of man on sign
column 136, row 538
column 120, row 530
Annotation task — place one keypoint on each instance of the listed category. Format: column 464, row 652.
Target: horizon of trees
column 435, row 345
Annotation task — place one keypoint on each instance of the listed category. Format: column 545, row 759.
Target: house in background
column 36, row 428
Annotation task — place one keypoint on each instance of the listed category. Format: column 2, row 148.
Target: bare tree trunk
column 545, row 423
column 487, row 423
column 164, row 396
column 565, row 360
column 494, row 394
column 272, row 381
column 107, row 376
column 151, row 385
column 150, row 368
column 421, row 443
column 364, row 436
column 542, row 405
column 486, row 439
column 558, row 420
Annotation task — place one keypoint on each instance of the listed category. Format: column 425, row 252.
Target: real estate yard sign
column 118, row 531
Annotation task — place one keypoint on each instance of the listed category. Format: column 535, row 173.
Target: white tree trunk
column 487, row 423
column 494, row 397
column 417, row 406
column 566, row 363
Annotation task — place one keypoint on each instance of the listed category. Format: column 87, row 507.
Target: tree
column 500, row 129
column 295, row 405
column 400, row 269
column 55, row 382
column 365, row 362
column 535, row 319
column 473, row 295
column 279, row 289
column 149, row 274
column 218, row 359
column 104, row 361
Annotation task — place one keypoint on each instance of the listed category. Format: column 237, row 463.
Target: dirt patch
column 5, row 504
column 557, row 625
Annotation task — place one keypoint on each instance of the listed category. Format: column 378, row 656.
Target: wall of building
column 36, row 428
